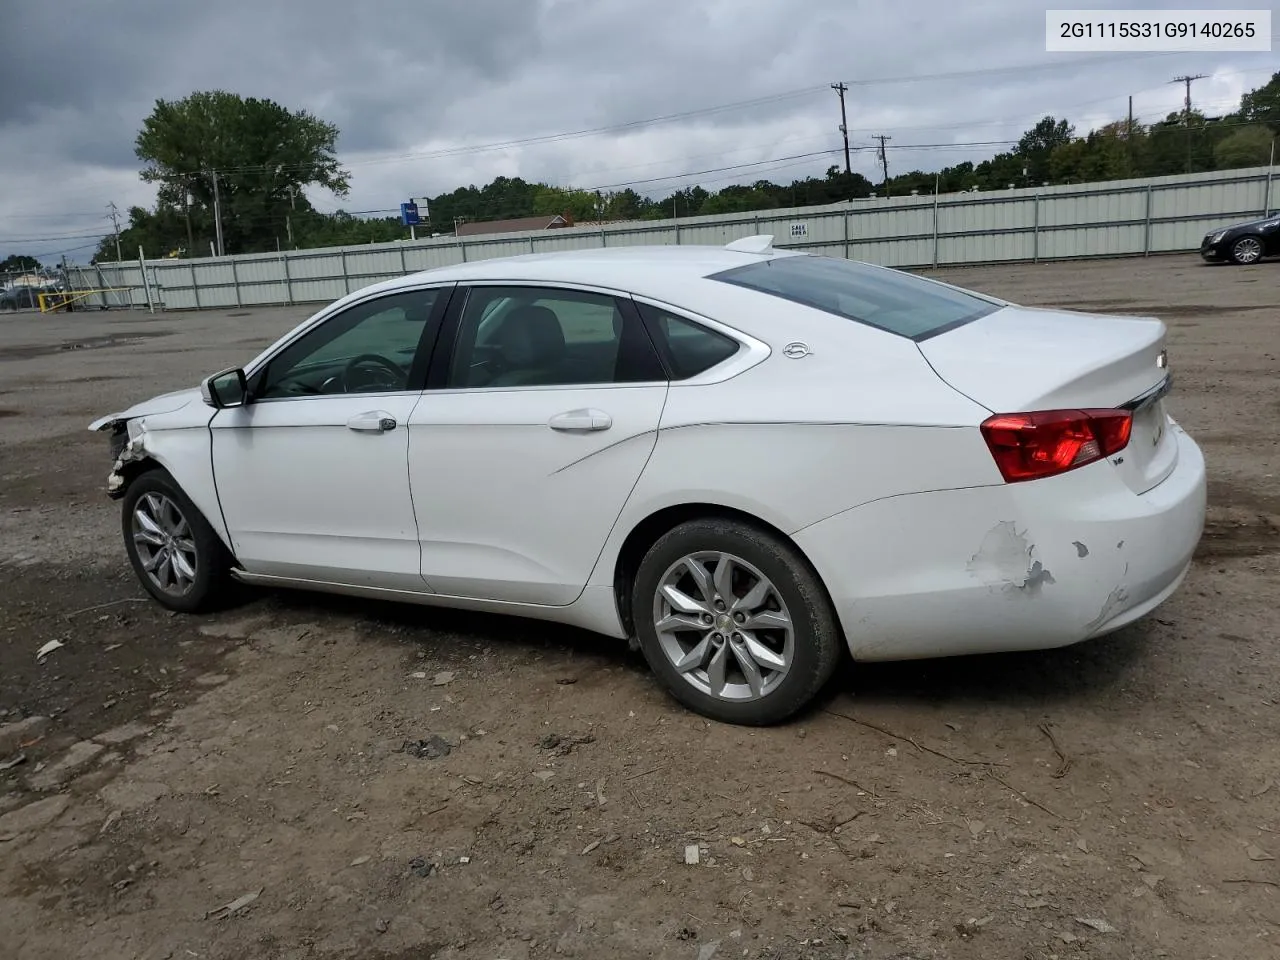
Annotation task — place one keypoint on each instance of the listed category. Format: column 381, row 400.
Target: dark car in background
column 1243, row 242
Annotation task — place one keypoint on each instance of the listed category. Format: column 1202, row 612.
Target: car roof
column 636, row 269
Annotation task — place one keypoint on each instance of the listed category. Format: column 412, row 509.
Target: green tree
column 1245, row 147
column 552, row 201
column 160, row 233
column 1105, row 154
column 626, row 205
column 1036, row 147
column 1263, row 105
column 17, row 263
column 1180, row 144
column 260, row 155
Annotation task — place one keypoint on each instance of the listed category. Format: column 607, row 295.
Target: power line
column 629, row 125
column 696, row 173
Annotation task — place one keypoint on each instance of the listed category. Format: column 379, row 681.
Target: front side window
column 368, row 348
column 891, row 300
column 539, row 336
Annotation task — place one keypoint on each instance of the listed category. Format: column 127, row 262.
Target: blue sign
column 409, row 214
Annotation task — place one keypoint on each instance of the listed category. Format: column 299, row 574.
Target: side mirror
column 227, row 388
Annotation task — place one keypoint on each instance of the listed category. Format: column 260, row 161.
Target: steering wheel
column 397, row 373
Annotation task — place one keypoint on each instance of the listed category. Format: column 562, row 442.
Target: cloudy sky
column 416, row 86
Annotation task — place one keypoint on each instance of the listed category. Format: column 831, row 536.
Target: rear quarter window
column 888, row 299
column 688, row 348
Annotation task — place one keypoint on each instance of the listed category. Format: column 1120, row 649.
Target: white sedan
column 749, row 461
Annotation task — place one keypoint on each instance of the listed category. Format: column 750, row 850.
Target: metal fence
column 1116, row 218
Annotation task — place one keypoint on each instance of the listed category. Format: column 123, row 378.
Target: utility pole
column 840, row 89
column 1128, row 135
column 217, row 214
column 186, row 209
column 884, row 159
column 1186, row 109
column 115, row 224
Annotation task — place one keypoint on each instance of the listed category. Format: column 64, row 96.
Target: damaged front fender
column 134, row 450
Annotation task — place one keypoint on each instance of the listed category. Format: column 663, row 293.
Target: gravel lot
column 1118, row 799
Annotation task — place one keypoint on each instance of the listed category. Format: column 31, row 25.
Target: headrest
column 531, row 335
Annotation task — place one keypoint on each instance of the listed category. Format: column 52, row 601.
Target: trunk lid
column 1021, row 359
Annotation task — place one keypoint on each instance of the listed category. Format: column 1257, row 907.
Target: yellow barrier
column 50, row 302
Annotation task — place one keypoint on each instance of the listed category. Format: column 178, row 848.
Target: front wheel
column 1246, row 250
column 734, row 622
column 175, row 553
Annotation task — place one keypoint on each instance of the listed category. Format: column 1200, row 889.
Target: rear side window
column 689, row 348
column 889, row 299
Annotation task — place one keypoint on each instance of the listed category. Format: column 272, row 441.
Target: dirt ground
column 1118, row 799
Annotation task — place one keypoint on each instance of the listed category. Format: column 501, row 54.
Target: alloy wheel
column 1247, row 250
column 165, row 544
column 724, row 626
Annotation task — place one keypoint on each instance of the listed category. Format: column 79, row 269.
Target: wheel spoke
column 716, row 669
column 149, row 537
column 762, row 654
column 695, row 657
column 155, row 507
column 682, row 602
column 166, row 516
column 184, row 570
column 164, row 572
column 680, row 621
column 700, row 577
column 749, row 668
column 149, row 525
column 723, row 579
column 152, row 565
column 754, row 598
column 767, row 620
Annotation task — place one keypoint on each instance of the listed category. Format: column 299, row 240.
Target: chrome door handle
column 580, row 421
column 373, row 421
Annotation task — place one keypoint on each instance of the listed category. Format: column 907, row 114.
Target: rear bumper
column 1009, row 567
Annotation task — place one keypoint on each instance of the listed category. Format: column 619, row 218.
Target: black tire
column 1252, row 244
column 817, row 641
column 209, row 588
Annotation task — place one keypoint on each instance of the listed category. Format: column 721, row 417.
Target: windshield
column 891, row 300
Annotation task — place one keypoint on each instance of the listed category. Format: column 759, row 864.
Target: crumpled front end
column 128, row 445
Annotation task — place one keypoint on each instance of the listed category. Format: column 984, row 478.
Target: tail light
column 1028, row 446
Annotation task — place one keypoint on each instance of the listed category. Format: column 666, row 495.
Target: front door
column 312, row 475
column 522, row 460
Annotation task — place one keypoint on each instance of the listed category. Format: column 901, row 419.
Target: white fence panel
column 1121, row 218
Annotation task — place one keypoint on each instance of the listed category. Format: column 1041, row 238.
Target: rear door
column 542, row 410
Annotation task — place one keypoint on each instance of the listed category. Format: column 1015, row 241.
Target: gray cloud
column 404, row 80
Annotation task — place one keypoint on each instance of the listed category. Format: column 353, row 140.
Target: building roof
column 519, row 225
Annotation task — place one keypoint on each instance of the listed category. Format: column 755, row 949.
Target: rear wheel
column 734, row 622
column 175, row 553
column 1246, row 250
